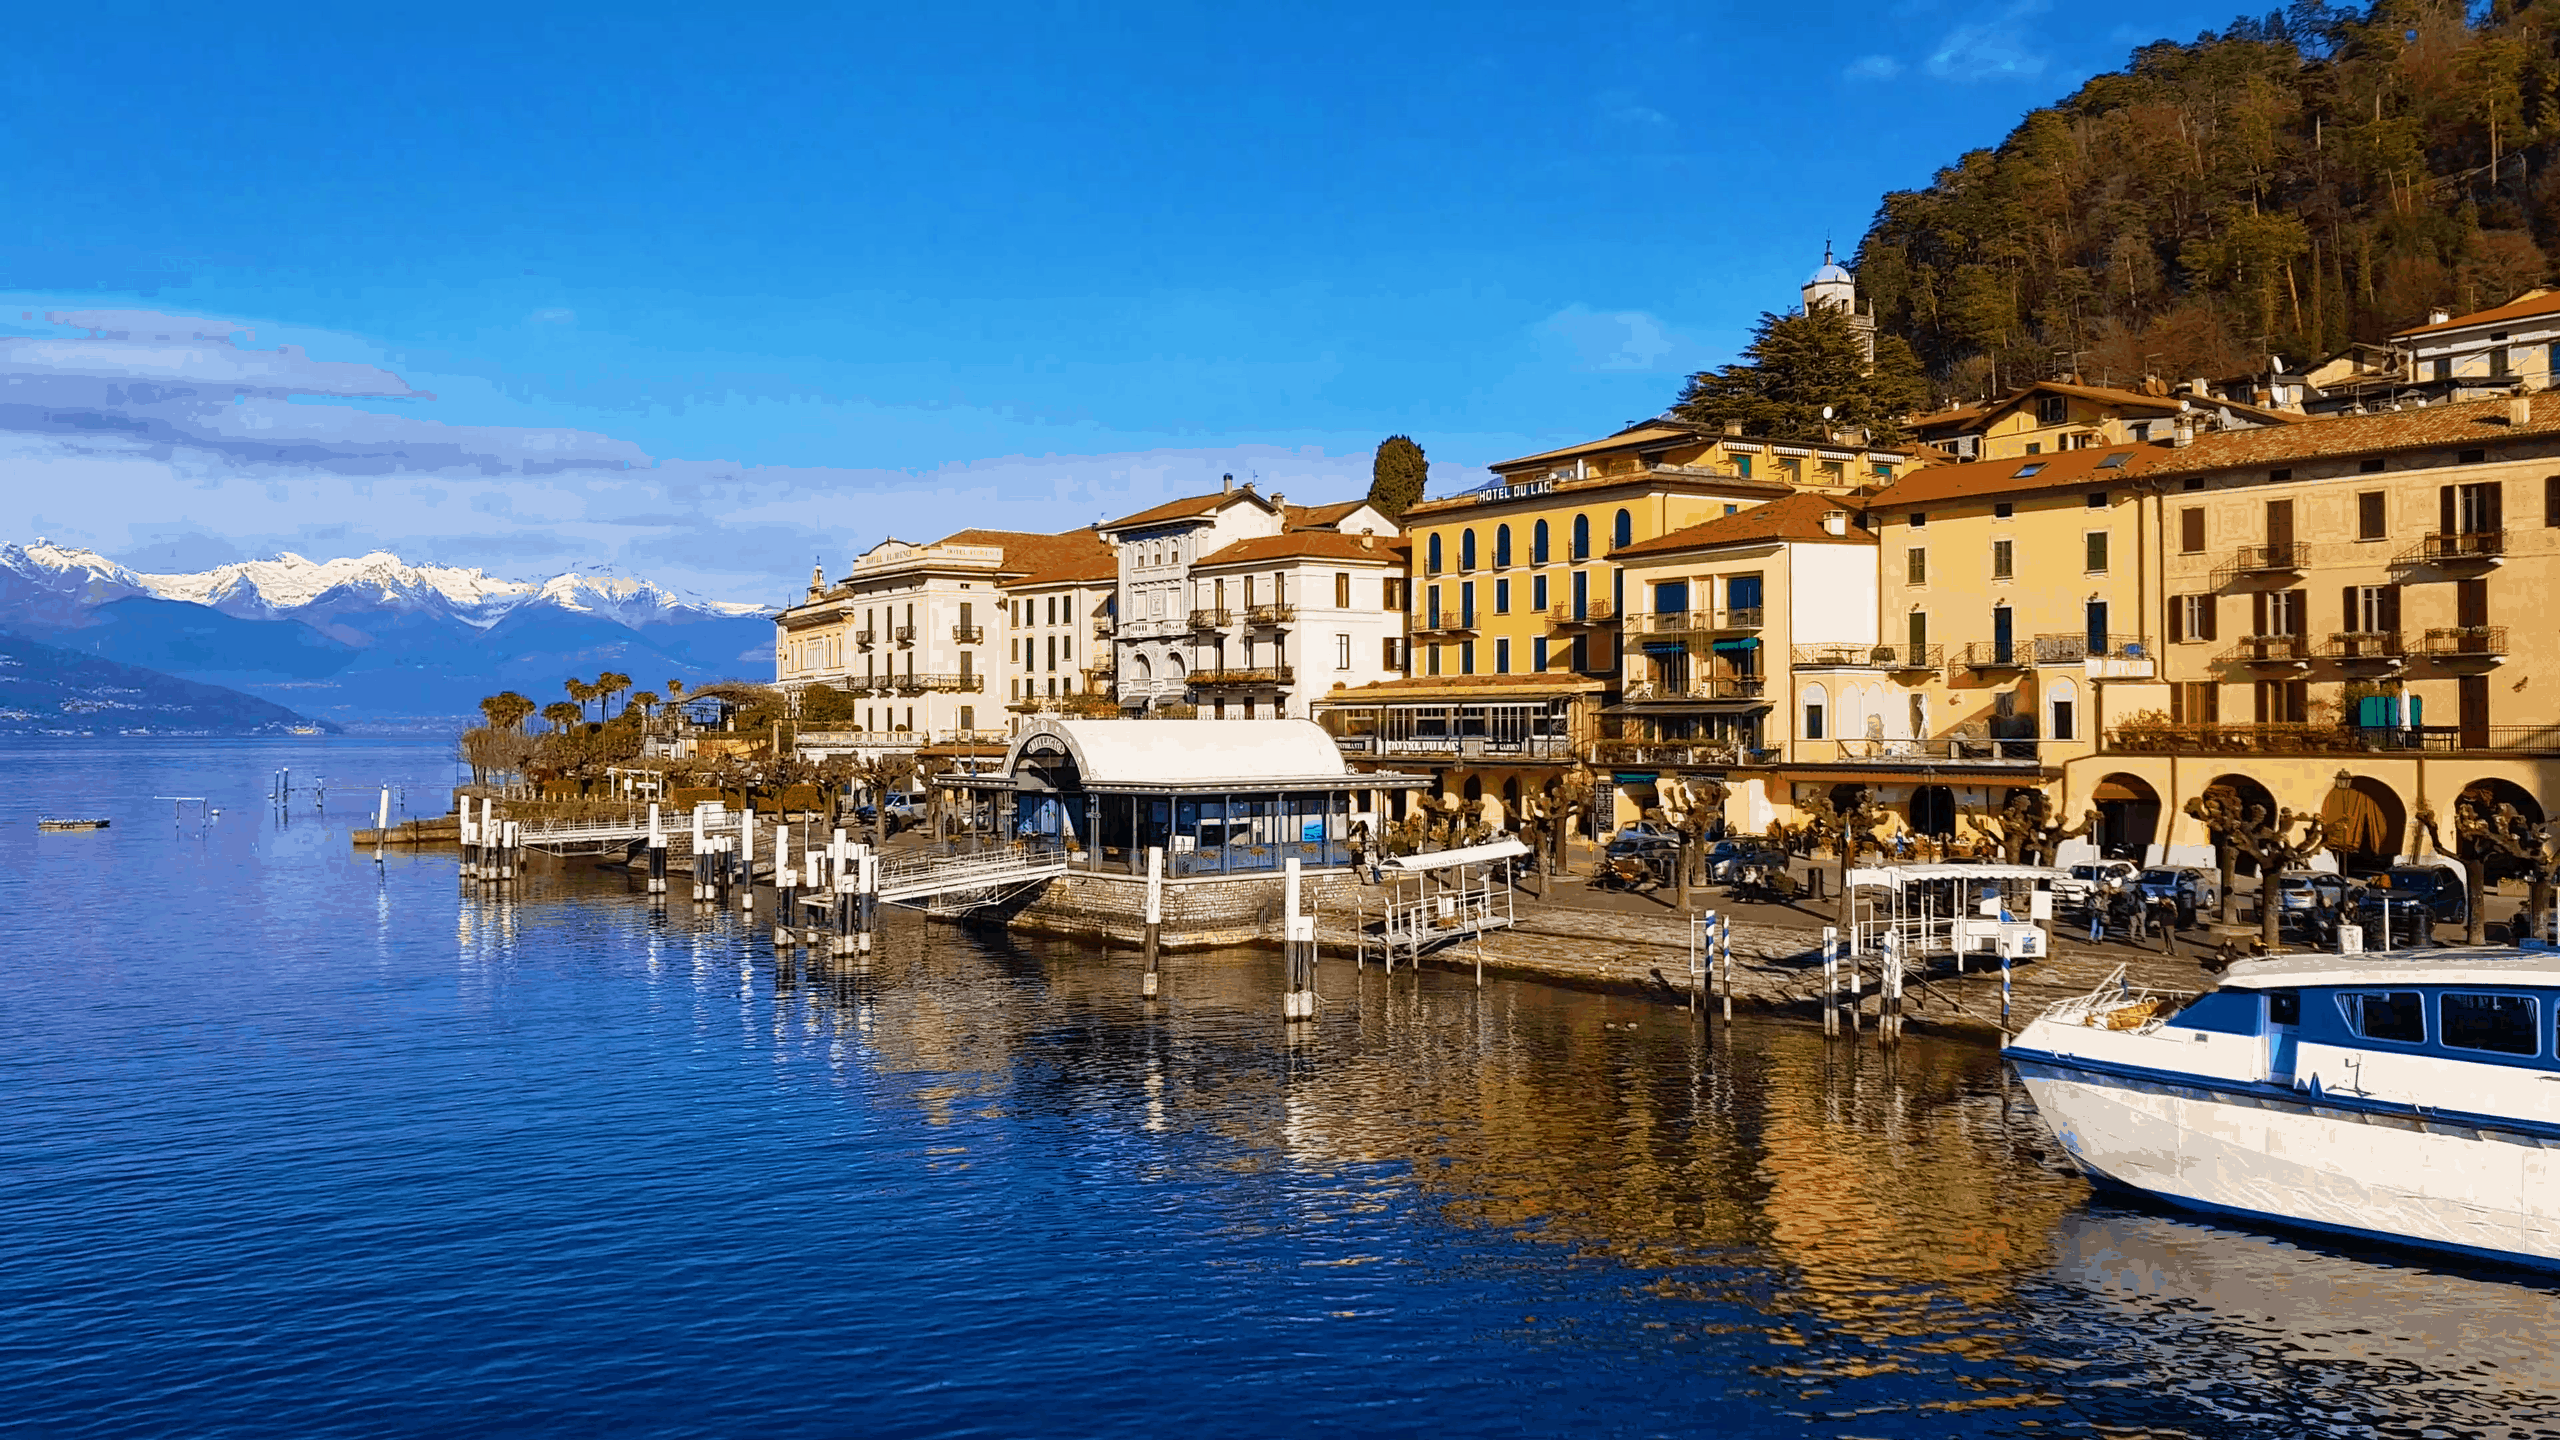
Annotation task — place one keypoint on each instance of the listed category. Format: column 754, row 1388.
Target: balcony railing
column 1534, row 747
column 2219, row 739
column 1993, row 655
column 1595, row 612
column 1245, row 675
column 1270, row 614
column 1651, row 753
column 2466, row 642
column 1945, row 750
column 963, row 684
column 1103, row 625
column 1849, row 655
column 1696, row 622
column 866, row 637
column 1705, row 687
column 968, row 634
column 2457, row 550
column 904, row 634
column 2263, row 562
column 1212, row 618
column 2267, row 650
column 2370, row 646
column 2074, row 649
column 1444, row 622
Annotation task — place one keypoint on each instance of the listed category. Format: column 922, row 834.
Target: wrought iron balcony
column 968, row 684
column 2462, row 551
column 1267, row 615
column 904, row 634
column 1698, row 687
column 2166, row 738
column 866, row 637
column 1995, row 655
column 1592, row 613
column 1852, row 655
column 1445, row 622
column 1212, row 618
column 1103, row 626
column 2365, row 647
column 1244, row 675
column 1533, row 747
column 1944, row 750
column 2466, row 645
column 2075, row 648
column 968, row 634
column 2269, row 652
column 1696, row 622
column 2263, row 562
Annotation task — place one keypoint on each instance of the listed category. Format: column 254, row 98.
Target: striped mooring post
column 1155, row 916
column 657, row 851
column 1298, row 946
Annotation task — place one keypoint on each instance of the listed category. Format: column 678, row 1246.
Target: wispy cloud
column 1992, row 48
column 1609, row 339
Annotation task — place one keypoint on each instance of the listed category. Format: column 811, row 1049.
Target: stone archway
column 2128, row 817
column 2367, row 824
column 2253, row 796
column 2489, row 795
column 1933, row 810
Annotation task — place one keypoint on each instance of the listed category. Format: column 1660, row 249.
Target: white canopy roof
column 1470, row 855
column 1197, row 755
column 1894, row 877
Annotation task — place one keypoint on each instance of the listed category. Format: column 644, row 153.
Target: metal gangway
column 591, row 834
column 971, row 880
column 1443, row 896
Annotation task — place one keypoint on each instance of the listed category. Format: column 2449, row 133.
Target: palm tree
column 675, row 692
column 562, row 714
column 647, row 700
column 609, row 684
column 506, row 710
column 580, row 692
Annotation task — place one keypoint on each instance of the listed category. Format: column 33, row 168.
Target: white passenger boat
column 2415, row 1101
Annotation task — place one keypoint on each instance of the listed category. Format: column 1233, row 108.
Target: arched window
column 1581, row 537
column 1623, row 533
column 1432, row 563
column 1538, row 544
column 1501, row 547
column 1467, row 549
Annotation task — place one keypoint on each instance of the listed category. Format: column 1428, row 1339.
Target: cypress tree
column 1397, row 476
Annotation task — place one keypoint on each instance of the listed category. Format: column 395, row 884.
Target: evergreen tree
column 1397, row 477
column 1799, row 365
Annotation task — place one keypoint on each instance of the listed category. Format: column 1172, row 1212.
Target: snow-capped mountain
column 273, row 589
column 633, row 601
column 55, row 582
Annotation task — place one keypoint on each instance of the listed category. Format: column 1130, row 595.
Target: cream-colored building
column 1289, row 618
column 915, row 633
column 1057, row 638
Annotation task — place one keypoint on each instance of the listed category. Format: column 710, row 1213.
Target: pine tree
column 1799, row 365
column 1397, row 476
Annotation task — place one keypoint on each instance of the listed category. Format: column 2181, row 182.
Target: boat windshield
column 2224, row 1012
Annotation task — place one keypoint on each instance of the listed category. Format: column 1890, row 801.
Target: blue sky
column 770, row 281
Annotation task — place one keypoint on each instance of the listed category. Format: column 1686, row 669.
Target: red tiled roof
column 1187, row 508
column 2476, row 422
column 1312, row 545
column 2524, row 307
column 1029, row 552
column 1321, row 517
column 2064, row 469
column 1797, row 518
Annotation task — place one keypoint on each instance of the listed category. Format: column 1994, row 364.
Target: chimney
column 1226, row 484
column 2184, row 433
column 1277, row 498
column 2439, row 315
column 1835, row 522
column 1368, row 539
column 1733, row 427
column 2519, row 411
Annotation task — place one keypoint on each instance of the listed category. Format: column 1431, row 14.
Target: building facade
column 1058, row 623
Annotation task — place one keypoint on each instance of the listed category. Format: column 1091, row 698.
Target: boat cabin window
column 2394, row 1015
column 2506, row 1024
column 2224, row 1012
column 2284, row 1007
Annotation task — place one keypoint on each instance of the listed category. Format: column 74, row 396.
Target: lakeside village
column 2154, row 645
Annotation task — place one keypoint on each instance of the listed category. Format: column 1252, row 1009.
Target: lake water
column 297, row 1145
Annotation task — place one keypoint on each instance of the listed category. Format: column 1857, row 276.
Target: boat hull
column 2266, row 1154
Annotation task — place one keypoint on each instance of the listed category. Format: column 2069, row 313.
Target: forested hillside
column 2296, row 183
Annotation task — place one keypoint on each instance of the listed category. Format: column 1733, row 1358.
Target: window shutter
column 2444, row 509
column 2177, row 618
column 2191, row 530
column 2258, row 611
column 2350, row 611
column 2551, row 499
column 2391, row 609
column 2496, row 494
column 2177, row 704
column 2298, row 620
column 2209, row 613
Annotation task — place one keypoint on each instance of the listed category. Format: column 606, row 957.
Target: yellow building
column 1516, row 603
column 2053, row 416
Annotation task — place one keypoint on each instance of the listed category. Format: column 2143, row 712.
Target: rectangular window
column 2502, row 1024
column 1388, row 659
column 2195, row 702
column 1341, row 652
column 1812, row 720
column 1919, row 632
column 2004, row 559
column 1053, row 653
column 2191, row 530
column 1431, row 659
column 1391, row 593
column 2369, row 515
column 2003, row 510
column 1341, row 589
column 1742, row 466
column 1915, row 567
column 1431, row 607
column 1466, row 657
column 1919, row 519
column 1580, row 653
column 2097, row 499
column 2062, row 720
column 2399, row 1016
column 2551, row 490
column 1538, row 652
column 1538, row 593
column 1502, row 655
column 2096, row 541
column 1467, row 604
column 1501, row 597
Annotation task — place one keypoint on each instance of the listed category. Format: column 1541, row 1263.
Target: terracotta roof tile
column 1030, row 552
column 2531, row 303
column 1187, row 507
column 1796, row 518
column 2025, row 474
column 1311, row 545
column 2476, row 422
column 1321, row 517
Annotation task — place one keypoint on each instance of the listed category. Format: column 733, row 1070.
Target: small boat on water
column 2410, row 1100
column 49, row 823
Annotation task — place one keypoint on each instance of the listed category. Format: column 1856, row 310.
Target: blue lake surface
column 296, row 1144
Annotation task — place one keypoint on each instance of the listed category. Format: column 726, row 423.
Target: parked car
column 2440, row 888
column 1643, row 838
column 2300, row 890
column 2190, row 889
column 2086, row 880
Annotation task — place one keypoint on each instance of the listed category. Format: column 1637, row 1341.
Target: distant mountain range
column 46, row 691
column 373, row 640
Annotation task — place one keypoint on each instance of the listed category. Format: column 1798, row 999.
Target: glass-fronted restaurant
column 1222, row 797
